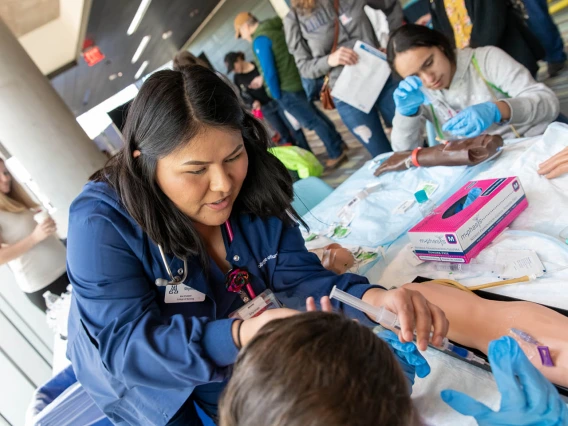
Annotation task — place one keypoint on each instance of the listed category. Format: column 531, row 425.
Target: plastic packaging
column 443, row 110
column 472, row 268
column 425, row 205
column 389, row 319
column 564, row 235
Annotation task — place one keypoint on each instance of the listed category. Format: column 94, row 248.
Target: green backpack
column 299, row 160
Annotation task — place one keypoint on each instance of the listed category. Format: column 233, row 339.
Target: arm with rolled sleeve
column 262, row 47
column 308, row 66
column 408, row 131
column 530, row 102
column 117, row 307
column 301, row 273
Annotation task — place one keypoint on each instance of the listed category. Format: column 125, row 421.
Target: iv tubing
column 453, row 283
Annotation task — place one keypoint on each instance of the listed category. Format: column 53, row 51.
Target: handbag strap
column 336, row 26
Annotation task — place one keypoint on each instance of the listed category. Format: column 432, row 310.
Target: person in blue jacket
column 283, row 82
column 189, row 221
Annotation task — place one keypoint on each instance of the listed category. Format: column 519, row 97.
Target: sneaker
column 334, row 163
column 554, row 68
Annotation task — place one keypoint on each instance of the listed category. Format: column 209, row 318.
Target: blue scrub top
column 140, row 358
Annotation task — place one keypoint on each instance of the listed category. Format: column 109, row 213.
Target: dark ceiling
column 83, row 87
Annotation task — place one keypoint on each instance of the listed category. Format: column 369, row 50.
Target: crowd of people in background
column 297, row 60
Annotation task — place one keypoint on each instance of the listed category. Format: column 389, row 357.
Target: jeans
column 543, row 27
column 312, row 87
column 367, row 128
column 297, row 104
column 274, row 114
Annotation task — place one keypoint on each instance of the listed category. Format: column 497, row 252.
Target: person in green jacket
column 283, row 81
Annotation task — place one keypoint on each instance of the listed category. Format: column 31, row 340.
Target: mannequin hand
column 555, row 166
column 44, row 230
column 414, row 313
column 473, row 120
column 407, row 354
column 251, row 326
column 408, row 97
column 342, row 56
column 527, row 397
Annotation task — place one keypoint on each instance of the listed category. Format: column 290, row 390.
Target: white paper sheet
column 360, row 85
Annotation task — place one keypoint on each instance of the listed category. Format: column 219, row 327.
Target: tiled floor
column 359, row 155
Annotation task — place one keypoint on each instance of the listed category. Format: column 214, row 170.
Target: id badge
column 264, row 301
column 182, row 293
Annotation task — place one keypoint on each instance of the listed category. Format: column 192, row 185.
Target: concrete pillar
column 39, row 130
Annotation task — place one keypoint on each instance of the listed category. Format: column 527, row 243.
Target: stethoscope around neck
column 162, row 282
column 180, row 279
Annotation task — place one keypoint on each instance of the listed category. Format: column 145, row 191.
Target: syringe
column 389, row 319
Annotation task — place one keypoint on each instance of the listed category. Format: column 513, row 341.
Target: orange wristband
column 415, row 157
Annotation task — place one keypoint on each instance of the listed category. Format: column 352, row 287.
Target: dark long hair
column 412, row 36
column 170, row 109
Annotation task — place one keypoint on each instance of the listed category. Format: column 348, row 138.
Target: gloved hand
column 527, row 397
column 408, row 97
column 473, row 120
column 408, row 355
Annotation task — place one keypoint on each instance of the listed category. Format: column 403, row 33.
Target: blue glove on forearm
column 408, row 97
column 473, row 120
column 408, row 356
column 527, row 397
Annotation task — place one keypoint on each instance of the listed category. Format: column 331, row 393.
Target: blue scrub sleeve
column 117, row 307
column 262, row 47
column 301, row 273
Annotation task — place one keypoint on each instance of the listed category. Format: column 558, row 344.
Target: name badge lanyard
column 237, row 280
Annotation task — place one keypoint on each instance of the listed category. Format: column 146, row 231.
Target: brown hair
column 17, row 200
column 304, row 6
column 316, row 369
column 187, row 59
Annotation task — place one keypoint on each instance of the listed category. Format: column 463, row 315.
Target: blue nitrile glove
column 408, row 97
column 473, row 120
column 527, row 397
column 408, row 356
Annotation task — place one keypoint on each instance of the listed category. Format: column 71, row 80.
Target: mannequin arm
column 475, row 321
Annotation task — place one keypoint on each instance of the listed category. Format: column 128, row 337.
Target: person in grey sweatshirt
column 309, row 31
column 464, row 93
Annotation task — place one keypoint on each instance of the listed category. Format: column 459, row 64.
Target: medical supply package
column 462, row 226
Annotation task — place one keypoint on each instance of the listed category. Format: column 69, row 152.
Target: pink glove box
column 447, row 236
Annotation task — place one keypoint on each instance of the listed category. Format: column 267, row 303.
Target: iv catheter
column 389, row 319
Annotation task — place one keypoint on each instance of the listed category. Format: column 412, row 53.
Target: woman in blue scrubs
column 194, row 195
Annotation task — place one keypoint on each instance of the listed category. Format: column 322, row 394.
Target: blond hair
column 304, row 6
column 17, row 200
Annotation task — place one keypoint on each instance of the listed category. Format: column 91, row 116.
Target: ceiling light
column 140, row 70
column 112, row 77
column 143, row 43
column 167, row 35
column 119, row 74
column 138, row 16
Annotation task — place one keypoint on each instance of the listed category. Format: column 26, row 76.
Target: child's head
column 428, row 54
column 316, row 369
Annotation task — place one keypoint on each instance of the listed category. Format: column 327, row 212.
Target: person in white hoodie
column 464, row 92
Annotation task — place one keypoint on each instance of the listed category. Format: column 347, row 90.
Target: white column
column 39, row 130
